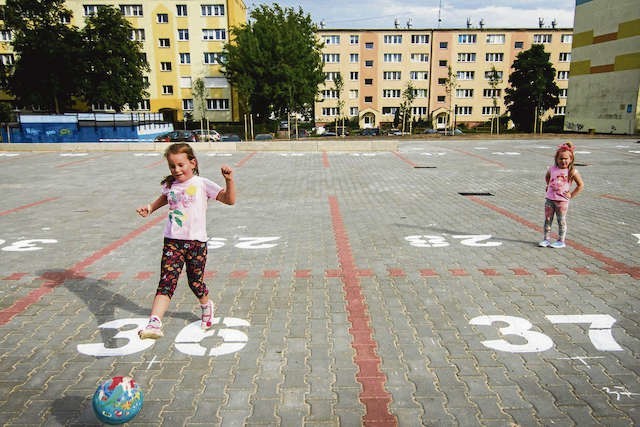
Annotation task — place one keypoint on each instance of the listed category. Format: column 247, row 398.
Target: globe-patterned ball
column 117, row 400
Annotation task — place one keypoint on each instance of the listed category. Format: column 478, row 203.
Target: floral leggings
column 175, row 254
column 551, row 208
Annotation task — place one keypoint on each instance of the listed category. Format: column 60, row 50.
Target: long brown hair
column 179, row 148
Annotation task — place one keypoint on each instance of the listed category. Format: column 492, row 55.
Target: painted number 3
column 188, row 340
column 599, row 332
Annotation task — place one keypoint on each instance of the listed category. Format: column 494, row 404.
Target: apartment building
column 183, row 41
column 377, row 66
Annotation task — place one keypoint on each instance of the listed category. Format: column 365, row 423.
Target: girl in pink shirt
column 559, row 179
column 185, row 234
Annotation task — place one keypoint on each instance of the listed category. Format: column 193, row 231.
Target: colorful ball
column 117, row 400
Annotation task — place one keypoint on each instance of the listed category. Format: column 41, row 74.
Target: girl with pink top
column 559, row 179
column 185, row 234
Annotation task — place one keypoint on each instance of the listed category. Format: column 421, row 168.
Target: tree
column 494, row 80
column 338, row 82
column 533, row 89
column 115, row 65
column 199, row 92
column 408, row 95
column 43, row 42
column 450, row 85
column 274, row 61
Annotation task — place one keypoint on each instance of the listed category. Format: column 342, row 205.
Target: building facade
column 605, row 68
column 376, row 66
column 182, row 41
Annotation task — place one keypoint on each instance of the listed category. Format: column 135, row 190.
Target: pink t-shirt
column 559, row 184
column 188, row 208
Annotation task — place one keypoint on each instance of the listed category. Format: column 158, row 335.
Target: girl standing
column 559, row 179
column 185, row 234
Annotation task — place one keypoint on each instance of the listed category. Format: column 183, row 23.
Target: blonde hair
column 179, row 148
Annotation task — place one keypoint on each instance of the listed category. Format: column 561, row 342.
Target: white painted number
column 134, row 344
column 440, row 241
column 637, row 236
column 244, row 242
column 599, row 329
column 535, row 341
column 26, row 245
column 427, row 241
column 474, row 240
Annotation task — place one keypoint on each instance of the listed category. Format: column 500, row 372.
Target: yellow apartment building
column 182, row 41
column 377, row 65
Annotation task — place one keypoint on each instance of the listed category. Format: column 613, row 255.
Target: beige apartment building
column 182, row 41
column 377, row 66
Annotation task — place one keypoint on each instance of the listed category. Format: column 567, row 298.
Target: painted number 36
column 188, row 340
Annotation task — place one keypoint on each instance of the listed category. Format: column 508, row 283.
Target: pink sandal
column 206, row 321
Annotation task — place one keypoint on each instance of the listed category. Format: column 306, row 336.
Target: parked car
column 430, row 131
column 231, row 138
column 394, row 132
column 207, row 135
column 177, row 136
column 264, row 137
column 370, row 132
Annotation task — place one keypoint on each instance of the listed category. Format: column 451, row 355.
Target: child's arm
column 579, row 184
column 227, row 195
column 547, row 177
column 145, row 211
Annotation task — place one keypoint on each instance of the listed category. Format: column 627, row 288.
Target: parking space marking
column 30, row 205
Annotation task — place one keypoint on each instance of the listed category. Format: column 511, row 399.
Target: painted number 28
column 599, row 332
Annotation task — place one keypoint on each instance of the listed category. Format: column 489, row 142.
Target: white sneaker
column 153, row 330
column 206, row 321
column 544, row 244
column 558, row 245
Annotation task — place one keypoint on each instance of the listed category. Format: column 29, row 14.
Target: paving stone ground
column 351, row 289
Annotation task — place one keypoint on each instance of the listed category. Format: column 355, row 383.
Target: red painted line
column 459, row 272
column 112, row 275
column 155, row 164
column 75, row 271
column 30, row 205
column 245, row 159
column 610, row 262
column 210, row 274
column 144, row 275
column 333, row 273
column 15, row 276
column 365, row 273
column 619, row 199
column 428, row 273
column 373, row 395
column 325, row 159
column 582, row 270
column 552, row 271
column 302, row 274
column 479, row 157
column 81, row 161
column 404, row 159
column 396, row 272
column 239, row 274
column 520, row 272
column 268, row 274
column 489, row 272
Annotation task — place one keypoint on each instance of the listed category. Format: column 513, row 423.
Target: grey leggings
column 551, row 208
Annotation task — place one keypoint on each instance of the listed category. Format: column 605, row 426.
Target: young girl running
column 559, row 178
column 185, row 234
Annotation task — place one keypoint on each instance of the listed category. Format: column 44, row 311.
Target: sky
column 382, row 14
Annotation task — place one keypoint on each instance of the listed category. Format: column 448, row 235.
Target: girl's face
column 564, row 159
column 181, row 167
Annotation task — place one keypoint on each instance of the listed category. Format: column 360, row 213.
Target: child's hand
column 227, row 172
column 143, row 211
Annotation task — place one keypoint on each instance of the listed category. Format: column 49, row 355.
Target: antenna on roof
column 468, row 22
column 554, row 23
column 409, row 23
column 396, row 23
column 439, row 14
column 322, row 24
column 540, row 22
column 481, row 23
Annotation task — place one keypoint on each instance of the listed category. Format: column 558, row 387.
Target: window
column 420, row 38
column 332, row 40
column 392, row 39
column 563, row 93
column 216, row 34
column 419, row 111
column 6, row 35
column 495, row 38
column 518, row 45
column 467, row 38
column 137, row 34
column 392, row 57
column 391, row 75
column 442, row 81
column 354, row 39
column 465, row 75
column 466, row 57
column 185, row 58
column 183, row 34
column 494, row 57
column 187, row 104
column 165, row 66
column 162, row 18
column 185, row 82
column 353, row 75
column 419, row 57
column 353, row 94
column 7, row 59
column 181, row 9
column 131, row 9
column 560, row 110
column 419, row 93
column 463, row 111
column 144, row 105
column 167, row 89
column 491, row 93
column 331, row 76
column 541, row 38
column 212, row 58
column 443, row 62
column 565, row 57
column 368, row 82
column 490, row 111
column 563, row 75
column 212, row 9
column 354, row 58
column 566, row 38
column 368, row 99
column 419, row 75
column 368, row 63
column 331, row 58
column 65, row 19
column 441, row 98
column 164, row 43
column 389, row 111
column 353, row 111
column 391, row 93
column 444, row 45
column 488, row 75
column 329, row 111
column 368, row 45
column 91, row 9
column 464, row 93
column 330, row 94
column 217, row 104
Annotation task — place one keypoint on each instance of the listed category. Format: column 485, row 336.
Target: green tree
column 338, row 82
column 115, row 65
column 450, row 85
column 199, row 92
column 494, row 80
column 274, row 61
column 408, row 96
column 49, row 58
column 533, row 89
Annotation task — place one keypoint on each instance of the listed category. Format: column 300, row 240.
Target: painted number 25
column 599, row 332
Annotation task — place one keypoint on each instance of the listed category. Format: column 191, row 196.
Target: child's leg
column 562, row 209
column 549, row 211
column 196, row 259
